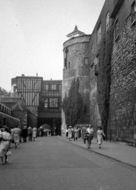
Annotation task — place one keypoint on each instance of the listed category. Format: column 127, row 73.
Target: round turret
column 76, row 66
column 76, row 61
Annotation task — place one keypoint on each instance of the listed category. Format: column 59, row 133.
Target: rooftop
column 75, row 33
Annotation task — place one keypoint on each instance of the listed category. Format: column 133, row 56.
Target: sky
column 32, row 33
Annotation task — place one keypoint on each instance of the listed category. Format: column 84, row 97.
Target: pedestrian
column 83, row 133
column 29, row 130
column 5, row 138
column 41, row 131
column 73, row 132
column 100, row 136
column 90, row 133
column 24, row 134
column 70, row 133
column 34, row 133
column 76, row 133
column 15, row 133
column 66, row 133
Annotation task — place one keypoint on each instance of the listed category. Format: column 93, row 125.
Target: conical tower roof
column 75, row 33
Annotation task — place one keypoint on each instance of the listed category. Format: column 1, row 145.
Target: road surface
column 52, row 163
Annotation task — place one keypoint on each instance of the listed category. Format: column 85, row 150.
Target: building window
column 65, row 59
column 46, row 103
column 107, row 21
column 46, row 86
column 116, row 30
column 96, row 66
column 65, row 63
column 133, row 13
column 99, row 34
column 60, row 88
column 53, row 87
column 133, row 7
column 53, row 102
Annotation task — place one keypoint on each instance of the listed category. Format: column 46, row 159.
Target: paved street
column 53, row 163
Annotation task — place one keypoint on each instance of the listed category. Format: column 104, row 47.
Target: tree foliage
column 73, row 105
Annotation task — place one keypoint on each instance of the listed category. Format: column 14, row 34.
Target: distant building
column 41, row 98
column 7, row 118
column 3, row 92
column 19, row 110
column 28, row 89
column 50, row 105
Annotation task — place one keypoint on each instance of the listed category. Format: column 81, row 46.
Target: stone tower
column 76, row 65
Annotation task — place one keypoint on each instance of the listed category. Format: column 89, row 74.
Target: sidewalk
column 118, row 151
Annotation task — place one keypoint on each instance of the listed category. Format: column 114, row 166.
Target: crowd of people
column 14, row 136
column 87, row 134
column 18, row 135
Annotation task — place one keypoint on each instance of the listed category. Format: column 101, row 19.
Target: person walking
column 5, row 138
column 70, row 133
column 90, row 133
column 100, row 135
column 15, row 133
column 29, row 130
column 24, row 134
column 66, row 133
column 83, row 134
column 76, row 133
column 34, row 133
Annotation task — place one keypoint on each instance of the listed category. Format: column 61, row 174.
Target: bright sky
column 32, row 33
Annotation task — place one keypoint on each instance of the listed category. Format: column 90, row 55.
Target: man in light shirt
column 90, row 133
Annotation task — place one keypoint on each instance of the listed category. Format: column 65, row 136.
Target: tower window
column 133, row 13
column 96, row 66
column 99, row 34
column 133, row 7
column 65, row 63
column 116, row 30
column 65, row 59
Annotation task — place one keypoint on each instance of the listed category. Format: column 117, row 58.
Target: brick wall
column 123, row 84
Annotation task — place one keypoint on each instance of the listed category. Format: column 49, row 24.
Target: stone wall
column 95, row 117
column 121, row 96
column 123, row 84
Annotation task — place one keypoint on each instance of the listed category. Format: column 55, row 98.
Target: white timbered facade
column 28, row 88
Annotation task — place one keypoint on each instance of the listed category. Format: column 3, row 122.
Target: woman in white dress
column 34, row 133
column 70, row 133
column 5, row 138
column 100, row 135
column 15, row 132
